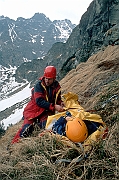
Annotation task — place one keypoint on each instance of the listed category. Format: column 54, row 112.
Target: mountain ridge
column 27, row 39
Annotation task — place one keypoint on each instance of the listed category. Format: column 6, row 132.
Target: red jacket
column 43, row 98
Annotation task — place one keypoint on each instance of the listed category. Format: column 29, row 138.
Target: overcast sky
column 53, row 9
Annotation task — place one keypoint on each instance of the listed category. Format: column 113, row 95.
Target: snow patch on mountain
column 15, row 98
column 12, row 94
column 13, row 118
column 7, row 81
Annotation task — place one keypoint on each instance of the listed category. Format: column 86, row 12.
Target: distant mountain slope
column 27, row 39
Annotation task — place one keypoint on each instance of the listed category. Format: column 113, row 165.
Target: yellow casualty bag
column 72, row 105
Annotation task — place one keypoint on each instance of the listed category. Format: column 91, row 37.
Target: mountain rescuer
column 45, row 100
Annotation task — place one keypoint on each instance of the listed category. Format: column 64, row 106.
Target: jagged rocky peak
column 39, row 16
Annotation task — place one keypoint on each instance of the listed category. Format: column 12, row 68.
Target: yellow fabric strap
column 45, row 90
column 57, row 95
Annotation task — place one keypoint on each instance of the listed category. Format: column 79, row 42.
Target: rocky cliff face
column 98, row 28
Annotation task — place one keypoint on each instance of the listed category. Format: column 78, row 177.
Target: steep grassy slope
column 97, row 84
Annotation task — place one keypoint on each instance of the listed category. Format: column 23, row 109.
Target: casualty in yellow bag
column 86, row 129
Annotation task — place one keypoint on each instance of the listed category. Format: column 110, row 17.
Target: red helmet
column 50, row 72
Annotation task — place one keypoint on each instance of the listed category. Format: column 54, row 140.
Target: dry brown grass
column 37, row 158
